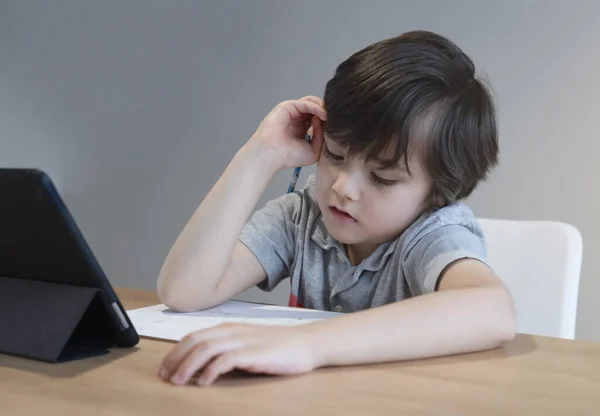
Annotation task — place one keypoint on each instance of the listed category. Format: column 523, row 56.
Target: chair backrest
column 540, row 263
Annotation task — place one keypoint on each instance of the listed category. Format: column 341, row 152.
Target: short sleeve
column 428, row 258
column 270, row 235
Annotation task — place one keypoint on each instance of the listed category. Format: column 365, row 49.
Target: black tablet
column 39, row 240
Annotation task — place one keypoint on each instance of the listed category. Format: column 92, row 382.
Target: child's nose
column 346, row 186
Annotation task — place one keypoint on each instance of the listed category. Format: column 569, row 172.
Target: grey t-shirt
column 289, row 239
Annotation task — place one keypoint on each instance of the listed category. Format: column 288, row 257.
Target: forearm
column 201, row 253
column 437, row 324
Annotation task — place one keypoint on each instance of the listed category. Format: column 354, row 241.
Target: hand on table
column 215, row 351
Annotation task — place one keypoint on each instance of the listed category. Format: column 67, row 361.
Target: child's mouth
column 341, row 216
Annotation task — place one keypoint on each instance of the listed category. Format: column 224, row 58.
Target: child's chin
column 344, row 236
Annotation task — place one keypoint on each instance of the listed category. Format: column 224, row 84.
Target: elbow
column 505, row 321
column 174, row 296
column 176, row 301
column 169, row 297
column 505, row 331
column 176, row 293
column 172, row 301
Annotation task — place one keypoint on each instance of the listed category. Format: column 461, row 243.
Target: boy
column 404, row 133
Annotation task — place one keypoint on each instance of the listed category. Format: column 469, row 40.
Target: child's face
column 378, row 204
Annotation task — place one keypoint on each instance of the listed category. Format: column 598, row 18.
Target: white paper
column 158, row 321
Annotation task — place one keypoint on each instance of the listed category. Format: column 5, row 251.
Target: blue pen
column 297, row 170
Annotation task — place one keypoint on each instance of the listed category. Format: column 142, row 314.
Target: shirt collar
column 325, row 241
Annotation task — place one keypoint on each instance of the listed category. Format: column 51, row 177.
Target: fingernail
column 176, row 379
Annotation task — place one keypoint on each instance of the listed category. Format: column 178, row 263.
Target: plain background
column 135, row 107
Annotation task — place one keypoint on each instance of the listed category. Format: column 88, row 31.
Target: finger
column 314, row 99
column 303, row 121
column 201, row 355
column 224, row 364
column 297, row 108
column 173, row 359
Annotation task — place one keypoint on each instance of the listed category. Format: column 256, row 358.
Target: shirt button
column 339, row 308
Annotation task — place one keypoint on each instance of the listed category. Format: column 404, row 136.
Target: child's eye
column 332, row 156
column 382, row 182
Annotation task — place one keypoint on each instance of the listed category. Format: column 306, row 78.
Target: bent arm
column 471, row 311
column 207, row 265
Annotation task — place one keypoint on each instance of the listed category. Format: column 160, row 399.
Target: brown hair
column 386, row 93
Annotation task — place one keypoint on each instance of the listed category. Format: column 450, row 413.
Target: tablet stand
column 53, row 322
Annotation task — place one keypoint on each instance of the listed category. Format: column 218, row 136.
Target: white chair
column 540, row 263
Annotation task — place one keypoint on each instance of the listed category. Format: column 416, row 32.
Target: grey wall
column 136, row 107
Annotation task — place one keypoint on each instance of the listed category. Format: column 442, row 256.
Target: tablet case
column 53, row 322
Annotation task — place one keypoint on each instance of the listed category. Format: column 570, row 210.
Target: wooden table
column 529, row 376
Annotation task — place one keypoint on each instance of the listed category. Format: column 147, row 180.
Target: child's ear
column 436, row 199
